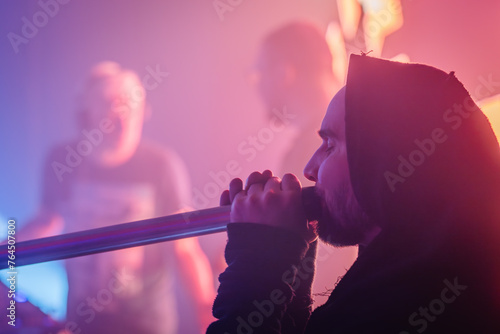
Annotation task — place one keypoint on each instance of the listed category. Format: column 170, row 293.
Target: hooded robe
column 425, row 167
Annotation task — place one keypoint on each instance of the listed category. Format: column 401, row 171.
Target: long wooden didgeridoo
column 138, row 233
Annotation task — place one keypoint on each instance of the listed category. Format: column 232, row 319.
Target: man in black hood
column 409, row 170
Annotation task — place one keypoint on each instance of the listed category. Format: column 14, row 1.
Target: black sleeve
column 266, row 286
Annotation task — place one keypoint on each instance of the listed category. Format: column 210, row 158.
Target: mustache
column 312, row 200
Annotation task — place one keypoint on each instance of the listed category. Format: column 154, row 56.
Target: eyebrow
column 326, row 133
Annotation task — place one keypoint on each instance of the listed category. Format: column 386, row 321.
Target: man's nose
column 311, row 169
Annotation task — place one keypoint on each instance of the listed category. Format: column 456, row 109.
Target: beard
column 343, row 222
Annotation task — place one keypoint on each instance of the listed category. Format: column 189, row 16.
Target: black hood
column 418, row 146
column 425, row 166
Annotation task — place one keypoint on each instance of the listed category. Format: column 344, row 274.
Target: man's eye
column 330, row 145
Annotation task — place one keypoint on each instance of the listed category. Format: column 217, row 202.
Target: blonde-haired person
column 109, row 175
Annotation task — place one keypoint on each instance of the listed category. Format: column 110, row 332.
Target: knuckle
column 239, row 198
column 274, row 179
column 236, row 182
column 253, row 176
column 271, row 196
column 253, row 199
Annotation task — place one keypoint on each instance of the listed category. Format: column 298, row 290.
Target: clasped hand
column 268, row 200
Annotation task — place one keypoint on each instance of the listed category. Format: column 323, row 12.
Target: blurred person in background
column 295, row 78
column 107, row 176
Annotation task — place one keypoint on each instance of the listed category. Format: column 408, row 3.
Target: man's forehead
column 334, row 120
